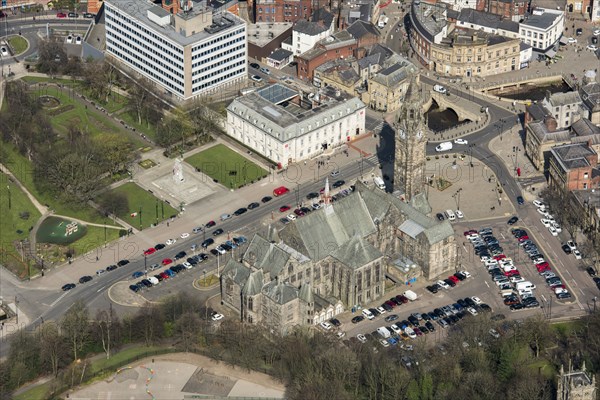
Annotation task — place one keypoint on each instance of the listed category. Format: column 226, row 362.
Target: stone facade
column 332, row 259
column 409, row 161
column 575, row 385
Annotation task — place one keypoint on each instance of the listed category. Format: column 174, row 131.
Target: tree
column 173, row 128
column 52, row 56
column 76, row 327
column 203, row 120
column 107, row 329
column 115, row 203
column 187, row 327
column 53, row 347
column 148, row 324
column 99, row 77
column 142, row 101
column 116, row 151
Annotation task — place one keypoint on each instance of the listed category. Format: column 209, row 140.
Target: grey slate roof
column 543, row 21
column 361, row 28
column 323, row 16
column 236, row 271
column 399, row 70
column 481, row 18
column 356, row 252
column 265, row 255
column 280, row 54
column 561, row 99
column 306, row 293
column 309, row 28
column 573, row 155
column 280, row 293
column 254, row 283
column 538, row 128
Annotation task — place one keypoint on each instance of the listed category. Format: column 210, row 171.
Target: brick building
column 574, row 166
column 280, row 10
column 339, row 45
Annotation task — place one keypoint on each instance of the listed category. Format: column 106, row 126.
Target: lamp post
column 145, row 266
column 297, row 195
column 162, row 208
column 204, row 272
column 156, row 211
column 9, row 199
column 140, row 217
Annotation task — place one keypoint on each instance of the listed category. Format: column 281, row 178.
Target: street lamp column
column 9, row 199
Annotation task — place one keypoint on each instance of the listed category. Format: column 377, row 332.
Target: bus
column 280, row 191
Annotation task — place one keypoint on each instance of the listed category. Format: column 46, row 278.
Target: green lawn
column 94, row 238
column 139, row 198
column 124, row 357
column 18, row 43
column 38, row 79
column 12, row 223
column 229, row 168
column 22, row 168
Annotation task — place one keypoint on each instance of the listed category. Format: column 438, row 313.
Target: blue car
column 137, row 274
column 393, row 341
column 231, row 244
column 135, row 288
column 240, row 240
column 170, row 272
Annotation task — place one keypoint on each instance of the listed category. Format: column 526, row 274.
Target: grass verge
column 18, row 43
column 224, row 165
column 123, row 357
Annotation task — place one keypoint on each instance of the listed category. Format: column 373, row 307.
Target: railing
column 487, row 85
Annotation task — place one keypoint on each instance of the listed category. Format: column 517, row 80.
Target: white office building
column 193, row 52
column 542, row 29
column 287, row 127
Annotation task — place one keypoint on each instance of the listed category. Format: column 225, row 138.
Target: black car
column 566, row 249
column 413, row 321
column 391, row 318
column 68, row 286
column 226, row 247
column 433, row 288
column 217, row 232
column 460, row 276
column 85, row 279
column 207, row 242
column 430, row 326
column 579, row 32
column 255, row 65
column 73, row 15
column 88, row 15
column 193, row 260
column 374, row 312
column 450, row 282
column 203, row 256
column 338, row 184
column 111, row 267
column 159, row 246
column 179, row 255
column 146, row 283
column 240, row 211
column 214, row 252
column 122, row 263
column 357, row 319
column 135, row 288
column 520, row 200
column 517, row 306
column 591, row 271
column 266, row 199
column 305, row 210
column 469, row 301
column 440, row 216
column 312, row 195
column 485, row 307
column 252, row 206
column 159, row 277
column 513, row 220
column 335, row 322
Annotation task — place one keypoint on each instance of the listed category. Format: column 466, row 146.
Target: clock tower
column 409, row 162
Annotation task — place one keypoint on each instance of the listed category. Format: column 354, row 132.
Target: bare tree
column 107, row 324
column 52, row 343
column 76, row 327
column 143, row 102
column 187, row 329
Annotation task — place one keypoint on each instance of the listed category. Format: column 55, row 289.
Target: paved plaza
column 180, row 376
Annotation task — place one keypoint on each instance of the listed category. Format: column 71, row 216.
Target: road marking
column 486, row 284
column 569, row 272
column 99, row 290
column 543, row 298
column 59, row 299
column 574, row 282
column 583, row 294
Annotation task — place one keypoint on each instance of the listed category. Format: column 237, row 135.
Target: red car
column 523, row 238
column 61, row 15
column 499, row 257
column 542, row 265
column 150, row 251
column 210, row 224
column 471, row 232
column 512, row 272
column 164, row 275
column 454, row 279
column 299, row 212
column 391, row 304
column 167, row 261
column 543, row 269
column 402, row 298
column 284, row 208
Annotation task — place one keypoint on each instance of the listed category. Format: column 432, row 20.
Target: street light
column 140, row 217
column 9, row 199
column 204, row 272
column 156, row 211
column 145, row 266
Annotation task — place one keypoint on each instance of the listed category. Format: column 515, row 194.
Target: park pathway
column 41, row 208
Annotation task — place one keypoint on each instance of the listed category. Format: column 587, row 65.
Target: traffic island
column 206, row 283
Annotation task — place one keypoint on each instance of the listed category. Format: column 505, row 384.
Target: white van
column 367, row 314
column 379, row 182
column 525, row 286
column 450, row 215
column 444, row 146
column 153, row 280
column 384, row 332
column 439, row 89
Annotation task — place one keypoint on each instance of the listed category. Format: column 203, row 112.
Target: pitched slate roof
column 306, row 293
column 361, row 28
column 573, row 155
column 236, row 271
column 584, row 127
column 561, row 99
column 265, row 255
column 254, row 283
column 280, row 54
column 323, row 16
column 356, row 252
column 310, row 28
column 280, row 293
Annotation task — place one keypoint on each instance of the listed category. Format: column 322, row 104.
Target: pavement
column 175, row 376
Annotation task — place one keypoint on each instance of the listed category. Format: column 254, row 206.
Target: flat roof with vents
column 277, row 93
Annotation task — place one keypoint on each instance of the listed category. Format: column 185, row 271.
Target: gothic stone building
column 332, row 259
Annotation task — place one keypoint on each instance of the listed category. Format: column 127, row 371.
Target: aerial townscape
column 299, row 199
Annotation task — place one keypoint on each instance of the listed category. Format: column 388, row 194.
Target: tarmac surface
column 179, row 376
